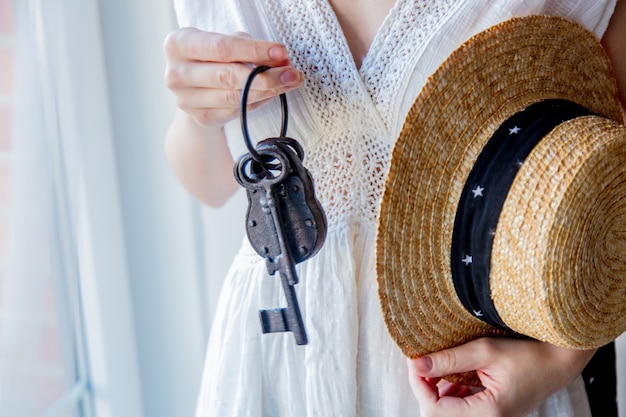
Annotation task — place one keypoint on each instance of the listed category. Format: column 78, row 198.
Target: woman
column 351, row 70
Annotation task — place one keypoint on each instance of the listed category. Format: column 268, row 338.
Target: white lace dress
column 347, row 120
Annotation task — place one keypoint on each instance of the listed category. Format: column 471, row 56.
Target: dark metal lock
column 302, row 215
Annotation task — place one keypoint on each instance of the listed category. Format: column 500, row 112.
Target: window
column 43, row 365
column 102, row 300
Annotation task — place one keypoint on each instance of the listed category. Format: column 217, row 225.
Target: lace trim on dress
column 393, row 56
column 352, row 109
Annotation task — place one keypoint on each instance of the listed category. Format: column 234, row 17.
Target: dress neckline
column 377, row 40
column 312, row 28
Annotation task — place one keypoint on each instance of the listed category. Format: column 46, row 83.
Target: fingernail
column 278, row 53
column 423, row 364
column 289, row 76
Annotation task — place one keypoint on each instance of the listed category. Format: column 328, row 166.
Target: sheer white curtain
column 30, row 308
column 102, row 303
column 60, row 108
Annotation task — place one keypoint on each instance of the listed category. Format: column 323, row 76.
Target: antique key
column 285, row 223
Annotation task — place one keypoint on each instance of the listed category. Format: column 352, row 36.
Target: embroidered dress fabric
column 347, row 119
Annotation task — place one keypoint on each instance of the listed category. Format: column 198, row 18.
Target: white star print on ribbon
column 514, row 130
column 467, row 260
column 478, row 191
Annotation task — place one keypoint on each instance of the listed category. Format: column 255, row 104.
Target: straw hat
column 504, row 210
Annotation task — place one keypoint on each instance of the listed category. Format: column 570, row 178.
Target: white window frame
column 131, row 246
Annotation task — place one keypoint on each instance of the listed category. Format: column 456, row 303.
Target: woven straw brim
column 488, row 79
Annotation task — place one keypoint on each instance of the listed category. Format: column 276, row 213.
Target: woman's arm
column 201, row 160
column 206, row 72
column 614, row 41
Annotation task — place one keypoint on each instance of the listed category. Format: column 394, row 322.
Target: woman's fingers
column 517, row 375
column 198, row 45
column 206, row 72
column 209, row 97
column 194, row 99
column 424, row 388
column 229, row 76
column 475, row 355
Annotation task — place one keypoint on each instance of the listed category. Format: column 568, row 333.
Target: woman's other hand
column 517, row 375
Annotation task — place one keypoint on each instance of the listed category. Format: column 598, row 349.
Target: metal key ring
column 244, row 113
column 282, row 167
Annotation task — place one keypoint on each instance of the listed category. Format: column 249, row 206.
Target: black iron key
column 266, row 191
column 285, row 223
column 290, row 318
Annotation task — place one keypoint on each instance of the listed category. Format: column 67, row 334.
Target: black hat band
column 484, row 194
